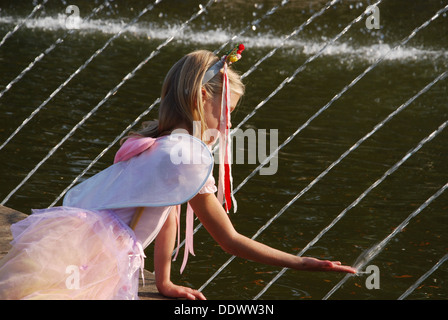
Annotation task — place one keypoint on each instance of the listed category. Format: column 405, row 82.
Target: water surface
column 402, row 74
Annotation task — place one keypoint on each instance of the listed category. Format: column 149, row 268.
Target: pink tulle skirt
column 69, row 253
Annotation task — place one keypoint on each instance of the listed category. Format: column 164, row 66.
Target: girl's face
column 212, row 109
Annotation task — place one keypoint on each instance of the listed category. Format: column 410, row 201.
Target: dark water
column 400, row 76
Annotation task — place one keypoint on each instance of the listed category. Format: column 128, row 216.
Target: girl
column 92, row 246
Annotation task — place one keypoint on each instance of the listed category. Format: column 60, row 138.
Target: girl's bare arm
column 163, row 249
column 212, row 215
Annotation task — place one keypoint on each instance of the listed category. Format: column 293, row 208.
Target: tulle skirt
column 70, row 253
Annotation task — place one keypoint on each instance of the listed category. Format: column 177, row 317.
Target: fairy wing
column 170, row 172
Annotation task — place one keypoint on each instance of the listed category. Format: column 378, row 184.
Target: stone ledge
column 10, row 216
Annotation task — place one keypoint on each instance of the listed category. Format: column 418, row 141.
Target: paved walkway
column 9, row 216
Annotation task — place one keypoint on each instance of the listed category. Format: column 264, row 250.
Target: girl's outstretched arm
column 212, row 215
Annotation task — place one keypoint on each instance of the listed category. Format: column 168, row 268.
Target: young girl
column 92, row 246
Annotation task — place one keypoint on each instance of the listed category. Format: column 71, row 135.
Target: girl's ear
column 204, row 95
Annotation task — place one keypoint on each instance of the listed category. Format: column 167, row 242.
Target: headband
column 230, row 57
column 225, row 182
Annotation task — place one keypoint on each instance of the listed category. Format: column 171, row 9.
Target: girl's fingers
column 194, row 295
column 347, row 269
column 201, row 296
column 189, row 296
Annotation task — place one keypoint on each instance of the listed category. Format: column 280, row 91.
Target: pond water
column 367, row 102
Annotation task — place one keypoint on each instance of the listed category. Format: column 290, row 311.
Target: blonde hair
column 181, row 97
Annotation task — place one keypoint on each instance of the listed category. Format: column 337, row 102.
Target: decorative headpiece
column 230, row 57
column 225, row 182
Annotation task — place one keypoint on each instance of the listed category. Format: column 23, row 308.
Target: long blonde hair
column 181, row 97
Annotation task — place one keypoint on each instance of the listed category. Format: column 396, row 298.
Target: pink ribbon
column 188, row 235
column 133, row 147
column 141, row 255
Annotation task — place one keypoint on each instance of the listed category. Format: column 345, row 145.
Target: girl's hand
column 313, row 264
column 174, row 291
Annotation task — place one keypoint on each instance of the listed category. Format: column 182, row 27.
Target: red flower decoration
column 240, row 48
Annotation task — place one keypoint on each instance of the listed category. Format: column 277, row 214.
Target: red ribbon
column 225, row 170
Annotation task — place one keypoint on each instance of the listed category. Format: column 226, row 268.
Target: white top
column 170, row 172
